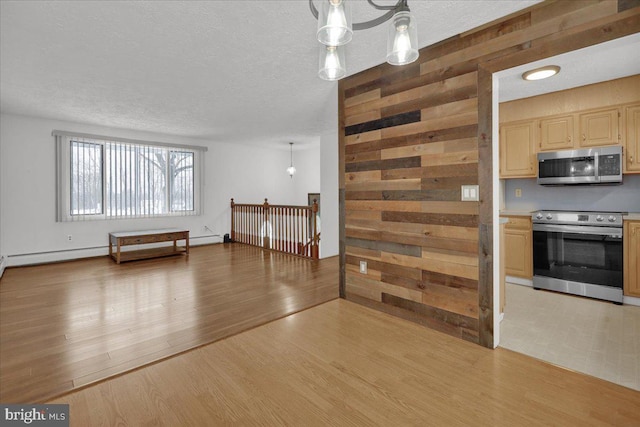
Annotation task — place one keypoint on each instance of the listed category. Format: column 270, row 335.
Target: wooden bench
column 127, row 238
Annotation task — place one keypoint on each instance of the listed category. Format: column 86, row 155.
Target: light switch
column 470, row 193
column 518, row 192
column 363, row 267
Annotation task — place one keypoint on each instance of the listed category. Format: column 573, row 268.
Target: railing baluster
column 289, row 231
column 280, row 229
column 306, row 231
column 297, row 230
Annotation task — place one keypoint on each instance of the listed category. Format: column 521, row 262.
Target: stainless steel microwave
column 602, row 165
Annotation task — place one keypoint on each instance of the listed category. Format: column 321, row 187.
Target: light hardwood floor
column 343, row 364
column 66, row 325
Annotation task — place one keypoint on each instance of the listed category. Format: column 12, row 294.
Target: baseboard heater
column 79, row 253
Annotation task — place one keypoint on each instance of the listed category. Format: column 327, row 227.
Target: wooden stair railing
column 282, row 228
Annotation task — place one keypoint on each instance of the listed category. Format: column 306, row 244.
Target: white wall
column 307, row 177
column 614, row 198
column 2, row 258
column 329, row 238
column 250, row 174
column 27, row 189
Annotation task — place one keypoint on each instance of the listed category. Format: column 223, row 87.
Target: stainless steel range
column 578, row 253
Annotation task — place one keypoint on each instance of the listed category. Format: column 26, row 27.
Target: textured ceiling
column 237, row 71
column 606, row 61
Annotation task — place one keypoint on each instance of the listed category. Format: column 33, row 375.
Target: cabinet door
column 556, row 133
column 518, row 253
column 632, row 138
column 517, row 152
column 518, row 247
column 600, row 128
column 632, row 258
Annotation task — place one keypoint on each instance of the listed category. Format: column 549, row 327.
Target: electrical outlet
column 363, row 267
column 518, row 192
column 69, row 237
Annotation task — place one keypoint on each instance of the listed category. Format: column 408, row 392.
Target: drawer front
column 176, row 236
column 153, row 238
column 518, row 223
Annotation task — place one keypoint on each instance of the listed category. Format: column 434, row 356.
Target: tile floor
column 595, row 337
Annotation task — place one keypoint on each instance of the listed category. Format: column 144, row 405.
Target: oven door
column 582, row 260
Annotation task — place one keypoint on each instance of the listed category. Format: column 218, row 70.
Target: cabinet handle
column 569, row 139
column 584, row 137
column 631, row 159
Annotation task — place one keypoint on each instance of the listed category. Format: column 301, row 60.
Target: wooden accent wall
column 411, row 136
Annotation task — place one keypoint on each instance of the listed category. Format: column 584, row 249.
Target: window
column 106, row 179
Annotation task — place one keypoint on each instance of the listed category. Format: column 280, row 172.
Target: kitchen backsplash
column 608, row 198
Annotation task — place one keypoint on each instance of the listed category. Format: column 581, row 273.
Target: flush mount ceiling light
column 541, row 73
column 335, row 29
column 291, row 170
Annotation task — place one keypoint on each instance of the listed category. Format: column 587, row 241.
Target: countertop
column 631, row 216
column 515, row 213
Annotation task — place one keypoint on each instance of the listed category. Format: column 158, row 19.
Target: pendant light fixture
column 334, row 23
column 291, row 170
column 335, row 29
column 331, row 63
column 402, row 41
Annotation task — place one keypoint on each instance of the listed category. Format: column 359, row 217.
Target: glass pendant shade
column 332, row 63
column 291, row 170
column 402, row 43
column 334, row 23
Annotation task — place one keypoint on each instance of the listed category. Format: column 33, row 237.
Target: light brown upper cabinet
column 557, row 133
column 632, row 138
column 600, row 127
column 517, row 150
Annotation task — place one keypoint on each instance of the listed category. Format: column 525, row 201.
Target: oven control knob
column 599, row 218
column 549, row 216
column 612, row 218
column 538, row 215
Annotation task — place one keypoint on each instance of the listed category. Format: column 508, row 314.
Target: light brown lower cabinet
column 518, row 246
column 632, row 258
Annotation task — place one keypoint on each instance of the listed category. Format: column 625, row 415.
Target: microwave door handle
column 596, row 165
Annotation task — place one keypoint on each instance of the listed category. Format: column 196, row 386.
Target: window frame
column 64, row 179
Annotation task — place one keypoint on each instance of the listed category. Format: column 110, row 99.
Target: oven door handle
column 579, row 229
